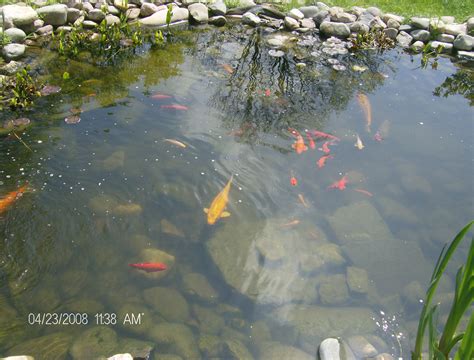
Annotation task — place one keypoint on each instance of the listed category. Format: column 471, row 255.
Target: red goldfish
column 299, row 145
column 267, row 92
column 340, row 184
column 312, row 144
column 365, row 192
column 293, row 180
column 149, row 266
column 325, row 147
column 378, row 137
column 365, row 105
column 324, row 135
column 11, row 197
column 322, row 160
column 161, row 96
column 174, row 107
column 291, row 223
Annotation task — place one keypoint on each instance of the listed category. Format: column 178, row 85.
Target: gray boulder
column 148, row 9
column 73, row 14
column 374, row 11
column 309, row 11
column 251, row 19
column 404, row 39
column 329, row 349
column 445, row 47
column 199, row 12
column 462, row 42
column 343, row 17
column 159, row 18
column 417, row 46
column 13, row 51
column 391, row 23
column 96, row 15
column 420, row 35
column 321, row 16
column 112, row 19
column 470, row 26
column 359, row 27
column 420, row 23
column 340, row 30
column 291, row 23
column 397, row 18
column 448, row 19
column 20, row 16
column 217, row 20
column 45, row 30
column 391, row 33
column 296, row 14
column 218, row 8
column 469, row 55
column 54, row 14
column 455, row 29
column 445, row 38
column 17, row 35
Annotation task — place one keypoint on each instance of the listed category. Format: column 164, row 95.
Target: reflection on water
column 293, row 263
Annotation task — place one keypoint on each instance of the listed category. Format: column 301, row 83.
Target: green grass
column 460, row 9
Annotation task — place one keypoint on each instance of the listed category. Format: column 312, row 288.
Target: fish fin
column 206, row 210
column 225, row 214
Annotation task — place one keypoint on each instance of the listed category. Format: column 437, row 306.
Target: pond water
column 294, row 263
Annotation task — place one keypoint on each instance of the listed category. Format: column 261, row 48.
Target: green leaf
column 66, row 75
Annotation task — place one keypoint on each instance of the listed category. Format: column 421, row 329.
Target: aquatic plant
column 169, row 15
column 111, row 40
column 374, row 39
column 429, row 56
column 440, row 347
column 230, row 4
column 20, row 90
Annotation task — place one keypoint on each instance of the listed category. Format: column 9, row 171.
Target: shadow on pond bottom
column 345, row 185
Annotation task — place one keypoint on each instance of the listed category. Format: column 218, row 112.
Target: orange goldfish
column 359, row 144
column 299, row 145
column 303, row 200
column 365, row 192
column 229, row 69
column 365, row 105
column 324, row 135
column 218, row 205
column 312, row 144
column 174, row 107
column 11, row 197
column 291, row 223
column 340, row 184
column 160, row 96
column 322, row 161
column 175, row 142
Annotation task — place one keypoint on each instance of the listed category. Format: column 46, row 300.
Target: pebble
column 276, row 53
column 329, row 349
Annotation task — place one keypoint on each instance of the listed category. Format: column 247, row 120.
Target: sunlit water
column 287, row 267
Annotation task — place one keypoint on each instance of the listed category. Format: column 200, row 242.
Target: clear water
column 275, row 272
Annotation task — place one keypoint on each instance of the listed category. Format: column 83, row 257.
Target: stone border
column 439, row 33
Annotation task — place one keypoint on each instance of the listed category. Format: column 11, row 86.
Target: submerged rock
column 313, row 323
column 114, row 161
column 95, row 342
column 53, row 346
column 333, row 290
column 357, row 280
column 275, row 350
column 168, row 303
column 329, row 349
column 197, row 285
column 210, row 322
column 50, row 89
column 369, row 244
column 361, row 347
column 177, row 338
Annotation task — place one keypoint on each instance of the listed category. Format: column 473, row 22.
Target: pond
column 335, row 237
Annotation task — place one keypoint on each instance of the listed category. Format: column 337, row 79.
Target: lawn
column 461, row 9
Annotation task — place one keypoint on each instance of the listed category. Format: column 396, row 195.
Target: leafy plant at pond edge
column 374, row 39
column 20, row 91
column 430, row 56
column 169, row 15
column 440, row 347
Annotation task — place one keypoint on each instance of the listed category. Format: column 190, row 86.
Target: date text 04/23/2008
column 66, row 319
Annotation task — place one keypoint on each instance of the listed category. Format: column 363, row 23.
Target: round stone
column 276, row 53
